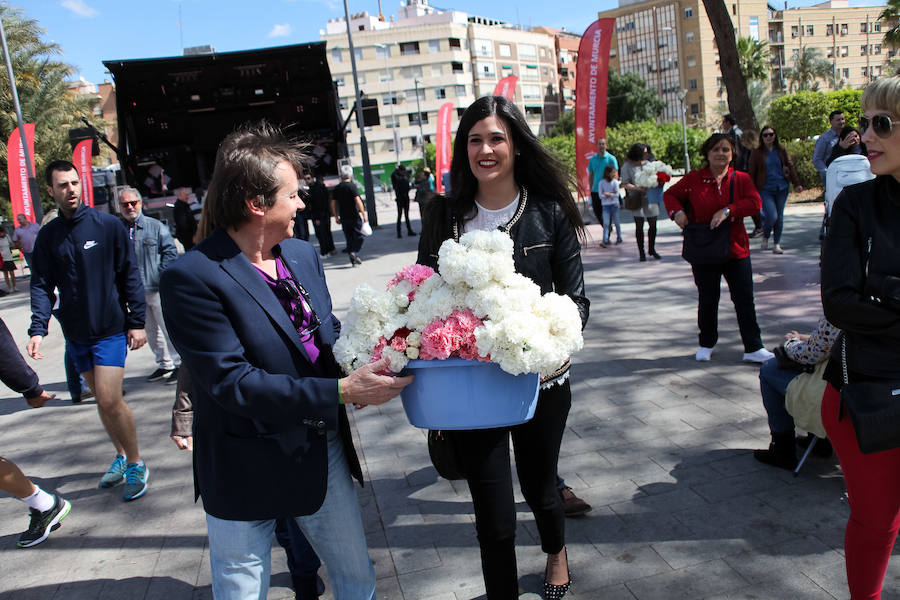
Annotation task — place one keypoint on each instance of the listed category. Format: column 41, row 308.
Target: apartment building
column 414, row 63
column 566, row 44
column 671, row 45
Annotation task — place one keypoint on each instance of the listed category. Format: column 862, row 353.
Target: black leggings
column 651, row 234
column 485, row 460
column 403, row 207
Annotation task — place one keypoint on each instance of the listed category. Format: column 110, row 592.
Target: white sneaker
column 703, row 354
column 764, row 244
column 760, row 356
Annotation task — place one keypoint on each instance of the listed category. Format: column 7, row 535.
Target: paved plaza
column 659, row 444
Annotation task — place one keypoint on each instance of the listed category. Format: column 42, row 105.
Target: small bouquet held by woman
column 654, row 173
column 477, row 308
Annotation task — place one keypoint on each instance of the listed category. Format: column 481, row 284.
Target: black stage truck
column 174, row 112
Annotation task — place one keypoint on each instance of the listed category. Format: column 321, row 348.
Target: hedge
column 804, row 115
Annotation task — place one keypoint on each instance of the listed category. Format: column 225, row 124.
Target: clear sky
column 91, row 31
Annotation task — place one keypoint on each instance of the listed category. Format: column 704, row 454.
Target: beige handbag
column 803, row 400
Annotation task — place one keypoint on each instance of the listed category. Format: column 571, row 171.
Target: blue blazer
column 261, row 408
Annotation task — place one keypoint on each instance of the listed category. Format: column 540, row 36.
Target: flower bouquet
column 477, row 312
column 654, row 173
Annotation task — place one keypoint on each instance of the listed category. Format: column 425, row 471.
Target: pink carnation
column 415, row 274
column 399, row 344
column 376, row 353
column 437, row 342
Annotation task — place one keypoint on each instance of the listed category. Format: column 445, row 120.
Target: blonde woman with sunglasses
column 861, row 296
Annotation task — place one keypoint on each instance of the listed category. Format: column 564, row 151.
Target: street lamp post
column 364, row 150
column 419, row 119
column 687, row 157
column 386, row 48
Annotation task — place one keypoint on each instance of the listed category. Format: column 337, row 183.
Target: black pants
column 322, row 227
column 738, row 274
column 651, row 234
column 485, row 461
column 352, row 228
column 403, row 207
column 597, row 206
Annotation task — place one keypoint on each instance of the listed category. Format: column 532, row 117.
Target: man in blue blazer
column 249, row 312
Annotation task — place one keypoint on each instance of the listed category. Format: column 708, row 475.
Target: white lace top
column 489, row 220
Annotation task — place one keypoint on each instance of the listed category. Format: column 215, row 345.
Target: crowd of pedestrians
column 242, row 322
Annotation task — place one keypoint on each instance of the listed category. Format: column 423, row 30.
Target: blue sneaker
column 136, row 476
column 116, row 473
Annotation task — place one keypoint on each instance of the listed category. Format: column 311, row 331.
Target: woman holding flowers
column 772, row 169
column 636, row 201
column 503, row 178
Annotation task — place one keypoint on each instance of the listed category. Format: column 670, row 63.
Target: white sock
column 40, row 500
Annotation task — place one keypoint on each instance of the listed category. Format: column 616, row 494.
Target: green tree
column 565, row 124
column 754, row 59
column 563, row 148
column 890, row 16
column 629, row 99
column 46, row 101
column 730, row 64
column 806, row 69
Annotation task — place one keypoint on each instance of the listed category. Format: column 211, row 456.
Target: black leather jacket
column 545, row 247
column 861, row 279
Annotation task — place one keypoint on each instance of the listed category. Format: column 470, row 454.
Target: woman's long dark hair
column 762, row 145
column 534, row 166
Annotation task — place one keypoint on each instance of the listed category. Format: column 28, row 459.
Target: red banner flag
column 591, row 79
column 81, row 158
column 19, row 190
column 442, row 147
column 507, row 87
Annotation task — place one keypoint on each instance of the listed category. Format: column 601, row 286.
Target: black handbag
column 444, row 455
column 704, row 246
column 874, row 409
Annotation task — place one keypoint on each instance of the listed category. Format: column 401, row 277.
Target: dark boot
column 639, row 238
column 651, row 241
column 307, row 588
column 782, row 452
column 398, row 230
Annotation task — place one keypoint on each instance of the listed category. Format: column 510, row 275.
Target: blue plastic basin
column 466, row 394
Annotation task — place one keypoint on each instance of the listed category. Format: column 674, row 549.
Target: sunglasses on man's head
column 881, row 124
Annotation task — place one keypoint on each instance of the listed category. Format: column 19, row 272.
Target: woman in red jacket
column 704, row 196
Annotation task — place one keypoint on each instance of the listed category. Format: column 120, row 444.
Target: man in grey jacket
column 154, row 250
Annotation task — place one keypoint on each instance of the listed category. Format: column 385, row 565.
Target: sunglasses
column 298, row 294
column 131, row 203
column 769, row 134
column 881, row 124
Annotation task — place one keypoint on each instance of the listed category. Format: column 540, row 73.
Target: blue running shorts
column 107, row 352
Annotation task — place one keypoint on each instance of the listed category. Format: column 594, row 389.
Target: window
column 691, row 61
column 361, row 77
column 339, row 81
column 504, row 50
column 527, row 51
column 529, row 73
column 845, row 51
column 830, row 53
column 357, row 52
column 612, row 52
column 459, row 112
column 388, row 99
column 689, row 36
column 877, row 49
column 437, row 70
column 434, row 45
column 411, row 94
column 440, row 93
column 810, row 30
column 754, row 28
column 876, row 27
column 692, row 84
column 543, row 53
column 454, row 43
column 456, row 67
column 545, row 72
column 720, row 83
column 410, row 72
column 414, row 118
column 506, row 70
column 829, row 30
column 336, row 55
column 844, row 28
column 865, row 71
column 862, row 50
column 483, row 48
column 389, row 121
column 408, row 48
column 864, row 28
column 485, row 69
column 695, row 109
column 531, row 92
column 688, row 13
column 385, row 75
column 383, row 51
column 533, row 112
column 795, row 31
column 459, row 90
column 845, row 73
column 342, row 103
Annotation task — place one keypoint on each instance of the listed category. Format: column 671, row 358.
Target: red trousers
column 873, row 485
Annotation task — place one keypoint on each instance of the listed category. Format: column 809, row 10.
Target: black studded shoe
column 555, row 592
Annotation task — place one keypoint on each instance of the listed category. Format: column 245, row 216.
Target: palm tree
column 890, row 16
column 44, row 94
column 807, row 68
column 730, row 64
column 755, row 59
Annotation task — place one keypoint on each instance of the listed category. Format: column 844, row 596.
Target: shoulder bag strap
column 731, row 189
